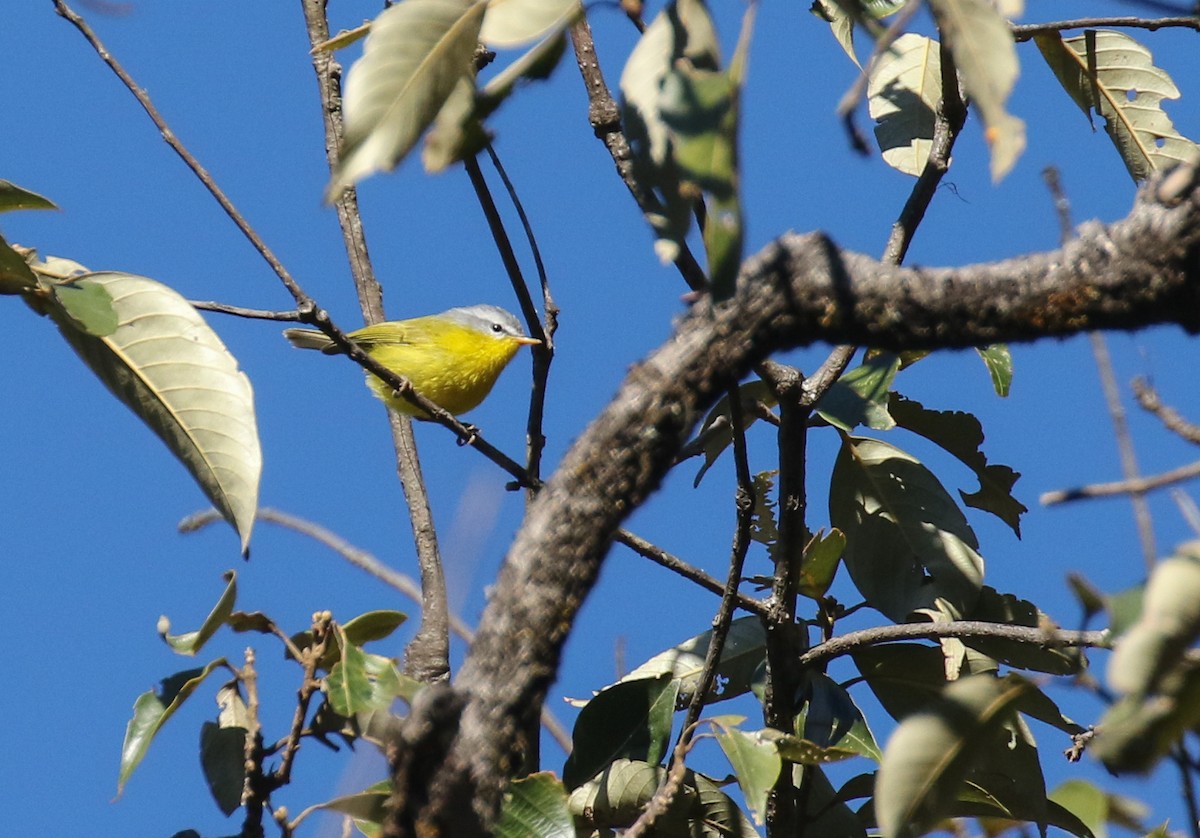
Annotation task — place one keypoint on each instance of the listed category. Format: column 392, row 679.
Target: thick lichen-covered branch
column 1142, row 271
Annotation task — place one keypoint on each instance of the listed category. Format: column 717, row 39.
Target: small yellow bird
column 452, row 358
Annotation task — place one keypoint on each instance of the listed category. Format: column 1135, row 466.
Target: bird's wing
column 391, row 333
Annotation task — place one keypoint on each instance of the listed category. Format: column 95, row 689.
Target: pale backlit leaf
column 927, row 758
column 1112, row 75
column 414, row 57
column 902, row 97
column 511, row 23
column 983, row 48
column 172, row 370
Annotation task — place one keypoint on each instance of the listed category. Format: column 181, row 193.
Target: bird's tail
column 309, row 339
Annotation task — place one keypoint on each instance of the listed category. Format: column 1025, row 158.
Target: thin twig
column 256, row 789
column 666, row 793
column 428, row 655
column 673, row 563
column 291, row 316
column 1136, row 486
column 1108, row 384
column 310, row 658
column 850, row 642
column 67, row 13
column 1182, row 759
column 543, row 355
column 367, row 561
column 605, row 118
column 948, row 123
column 848, row 104
column 1026, row 31
column 1149, row 400
column 737, row 559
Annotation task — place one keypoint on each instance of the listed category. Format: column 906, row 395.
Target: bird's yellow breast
column 452, row 366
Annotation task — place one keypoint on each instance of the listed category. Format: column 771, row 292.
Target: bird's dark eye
column 497, row 328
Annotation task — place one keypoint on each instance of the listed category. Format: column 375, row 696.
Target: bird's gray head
column 489, row 319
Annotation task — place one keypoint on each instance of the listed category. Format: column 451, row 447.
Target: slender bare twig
column 737, row 559
column 1187, row 508
column 428, row 656
column 949, row 119
column 605, row 118
column 673, row 563
column 850, row 642
column 68, row 14
column 1138, row 485
column 291, row 316
column 310, row 658
column 543, row 355
column 1149, row 400
column 256, row 790
column 1183, row 760
column 1026, row 31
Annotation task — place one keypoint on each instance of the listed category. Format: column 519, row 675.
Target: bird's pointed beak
column 524, row 341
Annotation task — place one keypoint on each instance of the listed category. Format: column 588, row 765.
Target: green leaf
column 535, row 806
column 905, row 677
column 825, row 813
column 907, row 543
column 511, row 23
column 1006, row 609
column 372, row 625
column 191, row 642
column 829, row 718
column 150, row 713
column 171, row 369
column 414, row 57
column 13, row 197
column 822, row 555
column 961, row 435
column 1124, row 609
column 223, row 758
column 701, row 810
column 15, row 274
column 1169, row 624
column 87, row 305
column 743, row 652
column 998, row 361
column 841, row 24
column 986, row 56
column 630, row 719
column 536, row 64
column 927, row 757
column 360, row 682
column 903, row 94
column 1111, row 74
column 1138, row 731
column 1097, row 808
column 860, row 397
column 367, row 807
column 754, row 758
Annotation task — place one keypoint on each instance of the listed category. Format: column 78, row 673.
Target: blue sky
column 89, row 556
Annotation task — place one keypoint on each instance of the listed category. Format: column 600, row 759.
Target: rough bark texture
column 1141, row 271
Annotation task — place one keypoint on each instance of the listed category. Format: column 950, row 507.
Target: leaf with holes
column 1112, row 75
